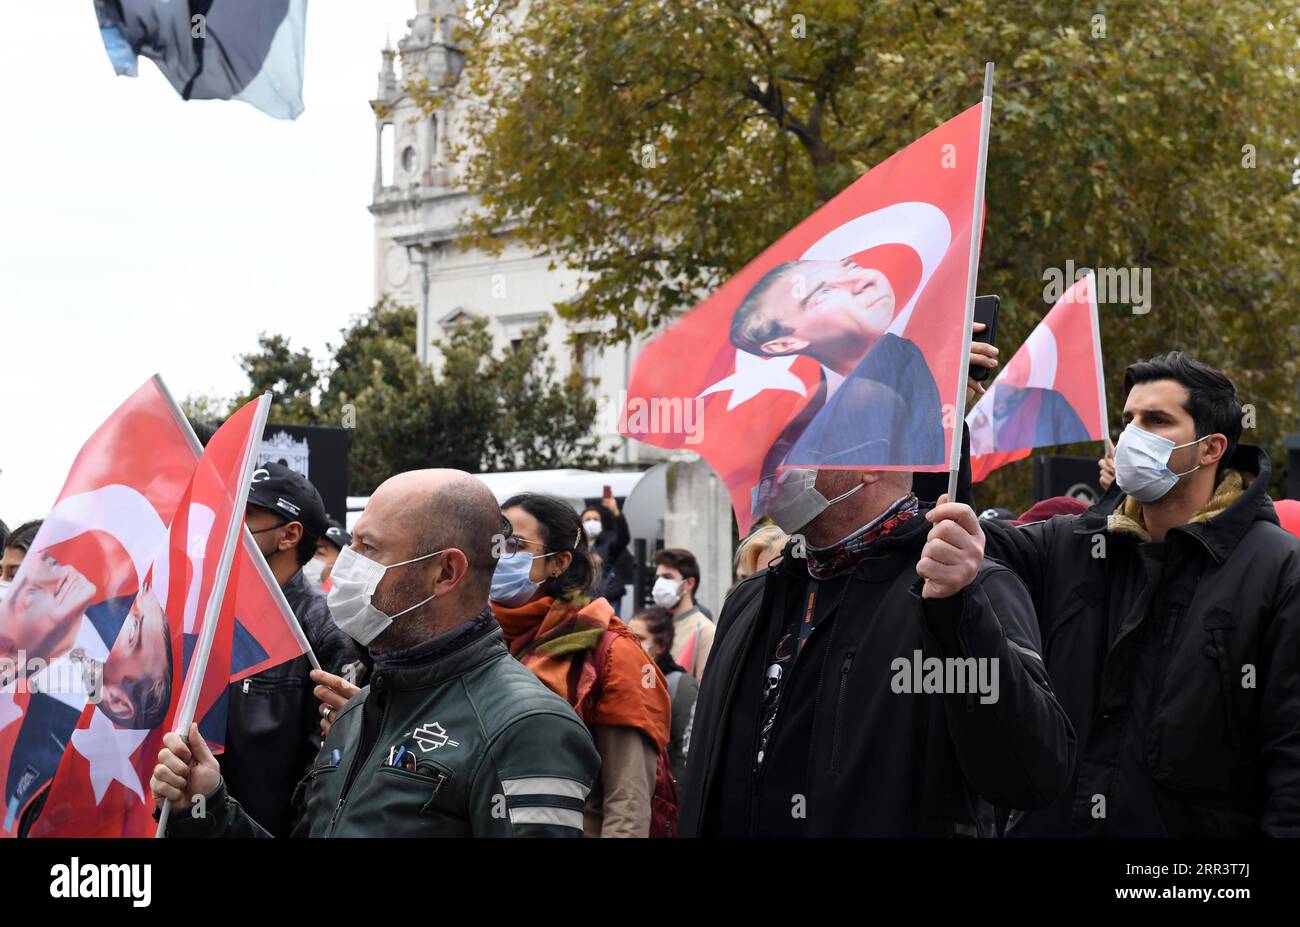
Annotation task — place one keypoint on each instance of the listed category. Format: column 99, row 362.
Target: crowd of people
column 890, row 665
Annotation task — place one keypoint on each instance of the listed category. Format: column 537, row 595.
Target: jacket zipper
column 839, row 705
column 1230, row 714
column 355, row 768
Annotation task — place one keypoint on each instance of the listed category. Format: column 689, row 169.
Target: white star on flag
column 9, row 710
column 108, row 750
column 754, row 374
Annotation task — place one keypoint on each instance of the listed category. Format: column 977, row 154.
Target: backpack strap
column 601, row 657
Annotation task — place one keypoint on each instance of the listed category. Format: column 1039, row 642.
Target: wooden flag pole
column 977, row 221
column 199, row 662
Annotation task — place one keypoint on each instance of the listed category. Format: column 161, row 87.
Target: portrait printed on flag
column 876, row 401
column 41, row 616
column 1049, row 393
column 840, row 345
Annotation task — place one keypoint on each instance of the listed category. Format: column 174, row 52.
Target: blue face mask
column 511, row 585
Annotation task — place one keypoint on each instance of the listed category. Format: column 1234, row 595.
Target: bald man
column 453, row 736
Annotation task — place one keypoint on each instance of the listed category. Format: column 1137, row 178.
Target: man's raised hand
column 953, row 550
column 184, row 770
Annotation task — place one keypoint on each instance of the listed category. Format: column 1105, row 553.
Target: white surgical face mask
column 355, row 578
column 798, row 500
column 664, row 592
column 1142, row 464
column 593, row 527
column 313, row 569
column 4, row 589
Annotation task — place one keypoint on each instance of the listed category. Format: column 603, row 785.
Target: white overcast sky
column 142, row 234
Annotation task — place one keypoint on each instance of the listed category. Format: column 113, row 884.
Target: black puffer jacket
column 1178, row 663
column 874, row 761
column 273, row 729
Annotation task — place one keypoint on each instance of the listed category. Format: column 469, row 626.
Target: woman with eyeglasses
column 574, row 643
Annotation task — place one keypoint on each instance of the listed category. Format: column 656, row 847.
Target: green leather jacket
column 496, row 753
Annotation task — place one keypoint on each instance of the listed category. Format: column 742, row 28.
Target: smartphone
column 986, row 311
column 608, row 492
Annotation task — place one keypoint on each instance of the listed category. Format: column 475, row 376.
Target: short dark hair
column 150, row 697
column 750, row 329
column 1211, row 397
column 563, row 532
column 306, row 545
column 684, row 562
column 659, row 624
column 22, row 537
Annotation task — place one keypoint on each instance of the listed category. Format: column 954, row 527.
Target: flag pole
column 254, row 554
column 977, row 225
column 199, row 663
column 1108, row 446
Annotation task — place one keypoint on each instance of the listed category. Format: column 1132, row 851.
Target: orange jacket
column 557, row 639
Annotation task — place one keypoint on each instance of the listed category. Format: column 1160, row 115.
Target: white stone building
column 419, row 204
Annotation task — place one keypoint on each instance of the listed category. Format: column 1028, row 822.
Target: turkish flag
column 154, row 667
column 840, row 346
column 77, row 585
column 1051, row 392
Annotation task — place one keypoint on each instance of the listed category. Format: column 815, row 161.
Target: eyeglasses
column 513, row 544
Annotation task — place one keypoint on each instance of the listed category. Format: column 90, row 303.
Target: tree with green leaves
column 482, row 410
column 290, row 375
column 657, row 148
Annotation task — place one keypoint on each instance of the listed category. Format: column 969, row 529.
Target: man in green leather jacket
column 453, row 736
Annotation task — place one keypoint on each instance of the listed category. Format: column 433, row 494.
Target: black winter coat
column 882, row 763
column 1179, row 668
column 273, row 728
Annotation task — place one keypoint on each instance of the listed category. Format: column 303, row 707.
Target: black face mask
column 265, row 553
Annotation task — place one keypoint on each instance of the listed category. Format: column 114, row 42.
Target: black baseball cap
column 288, row 494
column 337, row 534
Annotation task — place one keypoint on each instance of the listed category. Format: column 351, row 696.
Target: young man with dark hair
column 677, row 583
column 1170, row 618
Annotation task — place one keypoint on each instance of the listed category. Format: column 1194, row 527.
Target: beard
column 409, row 630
